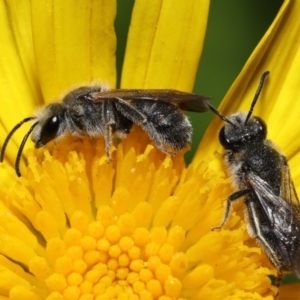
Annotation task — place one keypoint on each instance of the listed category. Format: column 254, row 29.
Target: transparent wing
column 288, row 191
column 185, row 101
column 282, row 217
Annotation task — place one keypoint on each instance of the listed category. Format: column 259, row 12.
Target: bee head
column 241, row 128
column 242, row 133
column 50, row 124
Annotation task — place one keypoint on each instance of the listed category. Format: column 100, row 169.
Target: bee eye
column 222, row 137
column 261, row 128
column 49, row 130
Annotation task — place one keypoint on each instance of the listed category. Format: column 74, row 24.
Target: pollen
column 136, row 228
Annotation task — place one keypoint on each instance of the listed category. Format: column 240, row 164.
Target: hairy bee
column 97, row 111
column 263, row 178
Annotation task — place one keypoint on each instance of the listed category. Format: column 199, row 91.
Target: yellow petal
column 164, row 44
column 74, row 43
column 19, row 13
column 17, row 87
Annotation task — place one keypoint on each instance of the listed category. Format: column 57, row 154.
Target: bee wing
column 288, row 190
column 185, row 101
column 283, row 216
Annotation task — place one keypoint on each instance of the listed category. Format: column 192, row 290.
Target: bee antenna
column 261, row 83
column 11, row 134
column 25, row 138
column 214, row 110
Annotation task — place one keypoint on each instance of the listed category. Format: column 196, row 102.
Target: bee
column 98, row 111
column 262, row 176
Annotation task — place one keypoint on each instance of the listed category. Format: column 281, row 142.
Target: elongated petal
column 74, row 43
column 17, row 87
column 19, row 14
column 164, row 44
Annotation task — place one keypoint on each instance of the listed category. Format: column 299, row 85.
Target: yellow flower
column 76, row 227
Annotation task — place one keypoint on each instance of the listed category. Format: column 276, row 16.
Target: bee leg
column 273, row 258
column 108, row 141
column 256, row 231
column 230, row 199
column 109, row 117
column 134, row 115
column 278, row 282
column 149, row 128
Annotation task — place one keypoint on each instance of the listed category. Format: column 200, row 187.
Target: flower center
column 95, row 259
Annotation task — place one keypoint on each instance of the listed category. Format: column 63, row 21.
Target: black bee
column 97, row 111
column 262, row 175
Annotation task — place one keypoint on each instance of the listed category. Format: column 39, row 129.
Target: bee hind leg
column 278, row 282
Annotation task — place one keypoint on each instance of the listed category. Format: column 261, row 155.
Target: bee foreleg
column 233, row 197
